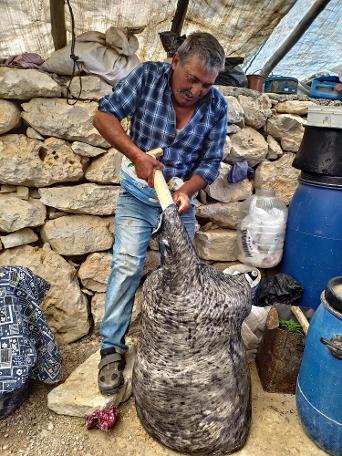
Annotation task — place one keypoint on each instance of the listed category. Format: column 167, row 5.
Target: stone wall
column 59, row 183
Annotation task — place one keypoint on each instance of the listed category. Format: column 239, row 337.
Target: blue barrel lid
column 333, row 293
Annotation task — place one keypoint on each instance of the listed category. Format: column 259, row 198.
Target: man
column 176, row 108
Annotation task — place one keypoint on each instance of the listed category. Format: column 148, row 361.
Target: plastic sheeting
column 241, row 26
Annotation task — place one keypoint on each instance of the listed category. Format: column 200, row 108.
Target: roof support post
column 58, row 29
column 178, row 20
column 316, row 8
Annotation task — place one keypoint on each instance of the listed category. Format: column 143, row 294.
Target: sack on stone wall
column 110, row 55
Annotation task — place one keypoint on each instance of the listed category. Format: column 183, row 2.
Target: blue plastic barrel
column 319, row 383
column 313, row 242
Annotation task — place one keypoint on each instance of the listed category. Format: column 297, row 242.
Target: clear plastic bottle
column 262, row 230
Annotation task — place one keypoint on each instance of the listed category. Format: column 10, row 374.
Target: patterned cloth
column 27, row 346
column 145, row 96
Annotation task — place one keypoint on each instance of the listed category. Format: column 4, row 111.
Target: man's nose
column 197, row 90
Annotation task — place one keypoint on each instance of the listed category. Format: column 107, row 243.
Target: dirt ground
column 34, row 430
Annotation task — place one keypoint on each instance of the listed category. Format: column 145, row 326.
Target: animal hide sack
column 191, row 380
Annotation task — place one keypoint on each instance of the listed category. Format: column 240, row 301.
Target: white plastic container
column 325, row 116
column 262, row 230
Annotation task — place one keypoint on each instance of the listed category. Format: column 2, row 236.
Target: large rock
column 95, row 270
column 256, row 110
column 90, row 199
column 79, row 395
column 247, row 144
column 287, row 128
column 78, row 234
column 274, row 149
column 235, row 111
column 20, row 237
column 93, row 88
column 25, row 161
column 105, row 169
column 25, row 84
column 222, row 191
column 98, row 302
column 278, row 175
column 227, row 148
column 86, row 150
column 225, row 215
column 217, row 245
column 294, row 107
column 64, row 306
column 55, row 117
column 9, row 116
column 16, row 213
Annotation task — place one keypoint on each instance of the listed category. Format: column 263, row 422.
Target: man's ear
column 175, row 60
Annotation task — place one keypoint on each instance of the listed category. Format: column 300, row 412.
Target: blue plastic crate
column 281, row 84
column 324, row 87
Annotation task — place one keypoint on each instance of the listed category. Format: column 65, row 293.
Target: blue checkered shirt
column 145, row 96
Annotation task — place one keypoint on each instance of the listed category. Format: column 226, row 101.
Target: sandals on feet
column 110, row 377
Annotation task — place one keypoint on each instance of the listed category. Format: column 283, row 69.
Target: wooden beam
column 178, row 20
column 58, row 29
column 316, row 8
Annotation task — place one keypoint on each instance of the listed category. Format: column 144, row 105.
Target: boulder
column 278, row 175
column 287, row 128
column 90, row 199
column 25, row 161
column 65, row 307
column 93, row 88
column 105, row 169
column 274, row 149
column 232, row 129
column 24, row 84
column 9, row 116
column 33, row 134
column 79, row 395
column 55, row 117
column 227, row 148
column 235, row 111
column 248, row 144
column 222, row 191
column 78, row 234
column 217, row 245
column 256, row 110
column 297, row 107
column 16, row 213
column 20, row 237
column 86, row 150
column 95, row 270
column 225, row 215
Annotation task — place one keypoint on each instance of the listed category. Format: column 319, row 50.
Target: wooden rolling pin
column 160, row 185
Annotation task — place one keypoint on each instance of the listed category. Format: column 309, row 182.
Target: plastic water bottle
column 262, row 230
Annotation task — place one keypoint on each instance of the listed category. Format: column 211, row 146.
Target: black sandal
column 110, row 377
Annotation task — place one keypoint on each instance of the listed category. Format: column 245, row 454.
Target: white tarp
column 241, row 26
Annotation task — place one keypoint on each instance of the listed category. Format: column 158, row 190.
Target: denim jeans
column 134, row 223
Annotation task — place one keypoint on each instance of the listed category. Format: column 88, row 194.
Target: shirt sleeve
column 124, row 99
column 209, row 166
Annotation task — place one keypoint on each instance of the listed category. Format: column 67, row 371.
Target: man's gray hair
column 206, row 47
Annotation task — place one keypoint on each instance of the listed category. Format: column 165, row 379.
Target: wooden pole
column 58, row 30
column 317, row 7
column 178, row 20
column 301, row 318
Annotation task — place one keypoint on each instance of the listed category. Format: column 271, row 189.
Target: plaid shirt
column 145, row 96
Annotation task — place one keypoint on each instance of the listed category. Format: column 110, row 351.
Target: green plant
column 291, row 326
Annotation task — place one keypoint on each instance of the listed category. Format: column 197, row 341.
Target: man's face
column 190, row 81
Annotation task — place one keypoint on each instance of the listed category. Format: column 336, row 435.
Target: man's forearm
column 193, row 185
column 110, row 128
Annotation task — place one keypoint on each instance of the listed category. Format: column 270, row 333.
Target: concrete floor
column 276, row 430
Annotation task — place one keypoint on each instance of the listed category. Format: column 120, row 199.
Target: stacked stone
column 59, row 184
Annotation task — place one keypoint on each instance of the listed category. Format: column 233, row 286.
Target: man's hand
column 182, row 200
column 145, row 166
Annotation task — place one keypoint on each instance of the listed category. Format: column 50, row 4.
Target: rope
column 75, row 59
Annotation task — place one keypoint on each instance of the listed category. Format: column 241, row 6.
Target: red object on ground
column 102, row 419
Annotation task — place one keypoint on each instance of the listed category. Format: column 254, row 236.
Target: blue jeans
column 134, row 223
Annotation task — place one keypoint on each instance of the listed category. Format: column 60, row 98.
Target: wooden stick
column 162, row 190
column 301, row 318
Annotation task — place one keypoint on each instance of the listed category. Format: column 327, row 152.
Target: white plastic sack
column 110, row 55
